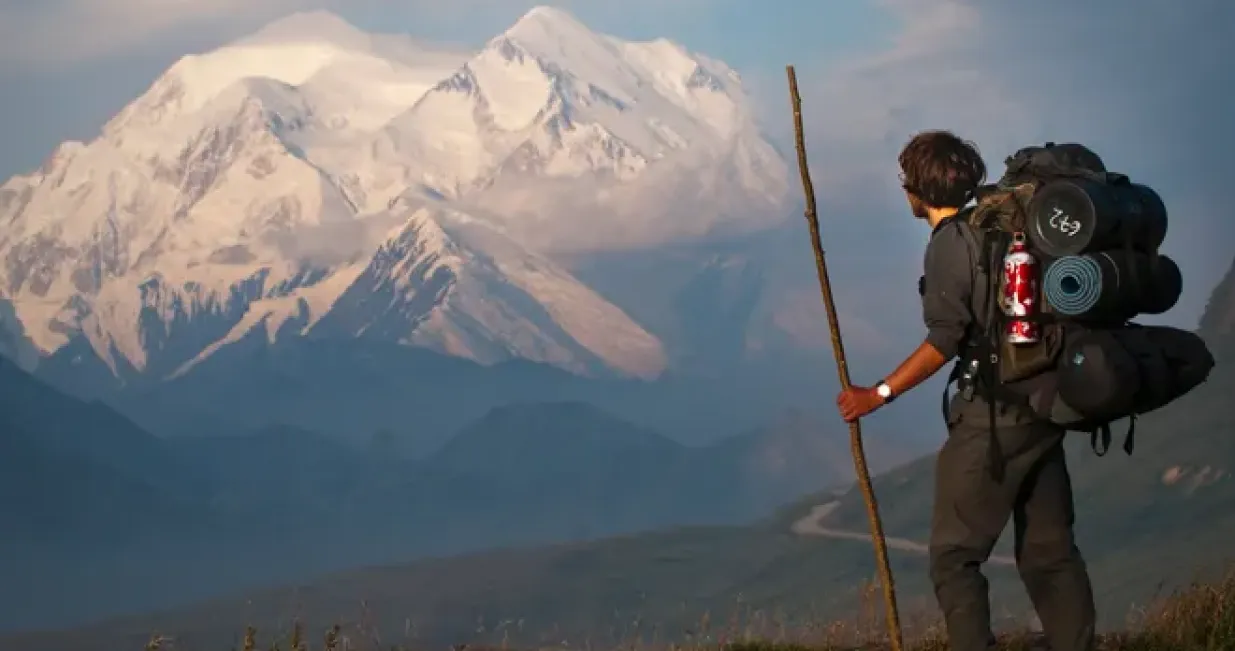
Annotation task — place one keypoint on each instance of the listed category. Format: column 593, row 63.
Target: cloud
column 1146, row 83
column 61, row 32
column 58, row 31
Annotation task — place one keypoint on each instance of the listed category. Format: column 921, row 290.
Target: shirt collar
column 948, row 220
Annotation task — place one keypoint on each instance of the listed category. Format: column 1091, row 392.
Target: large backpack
column 1087, row 370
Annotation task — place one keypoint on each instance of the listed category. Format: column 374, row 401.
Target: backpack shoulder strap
column 984, row 230
column 972, row 239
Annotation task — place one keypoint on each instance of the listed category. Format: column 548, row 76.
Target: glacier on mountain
column 315, row 180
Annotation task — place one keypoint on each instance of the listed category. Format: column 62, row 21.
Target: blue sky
column 744, row 33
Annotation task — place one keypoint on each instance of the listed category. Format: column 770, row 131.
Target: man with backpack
column 1001, row 461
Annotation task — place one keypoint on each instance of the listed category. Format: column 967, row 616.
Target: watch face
column 884, row 390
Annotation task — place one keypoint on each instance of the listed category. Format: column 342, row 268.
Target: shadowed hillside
column 80, row 474
column 98, row 503
column 1147, row 523
column 1218, row 323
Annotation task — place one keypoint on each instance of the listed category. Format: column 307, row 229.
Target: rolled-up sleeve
column 947, row 294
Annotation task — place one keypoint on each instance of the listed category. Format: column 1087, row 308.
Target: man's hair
column 941, row 169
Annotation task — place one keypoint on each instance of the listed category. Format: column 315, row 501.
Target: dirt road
column 813, row 525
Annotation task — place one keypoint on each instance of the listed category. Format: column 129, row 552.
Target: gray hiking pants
column 971, row 510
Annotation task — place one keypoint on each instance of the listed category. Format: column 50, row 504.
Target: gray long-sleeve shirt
column 951, row 307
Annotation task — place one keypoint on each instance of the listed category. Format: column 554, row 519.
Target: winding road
column 813, row 525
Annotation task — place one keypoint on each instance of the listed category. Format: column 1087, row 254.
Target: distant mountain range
column 1147, row 524
column 91, row 498
column 81, row 475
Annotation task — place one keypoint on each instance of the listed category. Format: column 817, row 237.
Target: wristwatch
column 885, row 392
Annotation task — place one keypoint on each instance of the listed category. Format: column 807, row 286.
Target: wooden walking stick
column 842, row 368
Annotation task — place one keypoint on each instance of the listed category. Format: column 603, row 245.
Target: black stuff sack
column 1106, row 375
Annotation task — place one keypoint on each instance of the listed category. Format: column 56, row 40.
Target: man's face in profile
column 916, row 205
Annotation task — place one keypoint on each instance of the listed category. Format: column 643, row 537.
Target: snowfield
column 315, row 180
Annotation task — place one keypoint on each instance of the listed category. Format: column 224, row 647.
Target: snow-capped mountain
column 579, row 140
column 314, row 180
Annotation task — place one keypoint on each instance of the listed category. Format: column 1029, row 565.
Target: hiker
column 1000, row 461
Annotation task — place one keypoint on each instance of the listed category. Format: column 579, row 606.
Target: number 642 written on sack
column 1061, row 222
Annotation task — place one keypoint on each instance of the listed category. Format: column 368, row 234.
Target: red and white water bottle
column 1020, row 292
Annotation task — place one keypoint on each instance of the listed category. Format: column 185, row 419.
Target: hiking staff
column 842, row 368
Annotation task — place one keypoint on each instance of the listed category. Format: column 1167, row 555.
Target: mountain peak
column 548, row 18
column 546, row 437
column 551, row 32
column 1219, row 317
column 309, row 26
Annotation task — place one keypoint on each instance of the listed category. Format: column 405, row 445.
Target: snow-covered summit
column 589, row 117
column 314, row 27
column 313, row 177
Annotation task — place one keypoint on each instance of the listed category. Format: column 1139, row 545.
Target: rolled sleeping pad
column 1112, row 285
column 1076, row 216
column 1166, row 283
